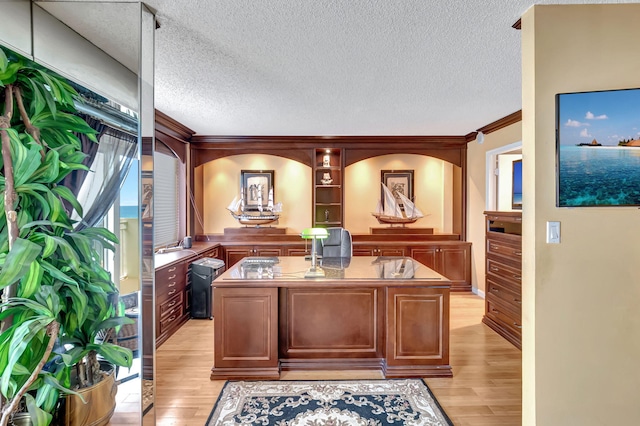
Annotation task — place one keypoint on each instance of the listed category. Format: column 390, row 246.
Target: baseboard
column 478, row 292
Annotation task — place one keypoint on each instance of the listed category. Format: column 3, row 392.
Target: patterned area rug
column 335, row 403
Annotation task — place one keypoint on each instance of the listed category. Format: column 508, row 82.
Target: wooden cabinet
column 417, row 332
column 328, row 198
column 379, row 250
column 173, row 289
column 246, row 334
column 451, row 259
column 234, row 253
column 503, row 289
column 171, row 296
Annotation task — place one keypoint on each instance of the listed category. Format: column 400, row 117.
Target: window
column 166, row 209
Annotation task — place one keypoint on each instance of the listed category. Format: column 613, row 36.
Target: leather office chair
column 337, row 244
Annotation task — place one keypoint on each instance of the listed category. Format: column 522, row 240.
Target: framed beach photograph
column 255, row 185
column 516, row 185
column 398, row 181
column 598, row 148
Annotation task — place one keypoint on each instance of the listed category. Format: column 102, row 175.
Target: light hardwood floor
column 485, row 388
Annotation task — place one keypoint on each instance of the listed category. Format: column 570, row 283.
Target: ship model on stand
column 398, row 210
column 259, row 214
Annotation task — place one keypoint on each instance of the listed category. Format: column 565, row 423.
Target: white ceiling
column 333, row 67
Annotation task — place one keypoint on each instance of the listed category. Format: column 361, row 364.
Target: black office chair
column 337, row 244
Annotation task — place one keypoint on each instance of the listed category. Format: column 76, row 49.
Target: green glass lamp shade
column 318, row 233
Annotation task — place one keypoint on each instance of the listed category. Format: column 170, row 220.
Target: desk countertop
column 164, row 259
column 290, row 270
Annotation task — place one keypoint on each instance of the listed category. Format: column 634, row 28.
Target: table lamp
column 314, row 234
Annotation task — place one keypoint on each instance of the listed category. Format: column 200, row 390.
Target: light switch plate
column 553, row 232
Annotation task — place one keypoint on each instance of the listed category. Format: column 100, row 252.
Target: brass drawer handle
column 173, row 284
column 172, row 318
column 494, row 310
column 172, row 269
column 494, row 290
column 518, row 301
column 517, row 253
column 517, row 325
column 172, row 277
column 172, row 303
column 494, row 247
column 494, row 269
column 517, row 277
column 172, row 292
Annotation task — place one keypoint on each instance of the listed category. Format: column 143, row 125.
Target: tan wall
column 221, row 182
column 581, row 298
column 433, row 189
column 476, row 194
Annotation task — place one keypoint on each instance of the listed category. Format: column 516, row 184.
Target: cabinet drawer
column 170, row 281
column 497, row 312
column 509, row 273
column 173, row 318
column 510, row 298
column 502, row 248
column 171, row 304
column 169, row 273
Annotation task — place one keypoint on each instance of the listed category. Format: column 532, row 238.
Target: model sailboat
column 395, row 213
column 264, row 215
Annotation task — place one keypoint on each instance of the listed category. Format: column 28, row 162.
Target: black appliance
column 203, row 272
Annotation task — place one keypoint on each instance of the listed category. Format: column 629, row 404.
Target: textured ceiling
column 331, row 67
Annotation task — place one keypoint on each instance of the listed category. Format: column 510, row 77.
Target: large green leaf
column 49, row 298
column 22, row 336
column 83, row 246
column 50, row 168
column 57, row 273
column 62, row 121
column 100, row 234
column 113, row 353
column 28, row 193
column 38, row 416
column 18, row 261
column 66, row 193
column 28, row 304
column 26, row 160
column 38, row 102
column 4, row 62
column 30, row 283
column 68, row 253
column 112, row 323
column 10, row 74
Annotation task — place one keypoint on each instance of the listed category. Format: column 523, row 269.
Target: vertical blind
column 166, row 214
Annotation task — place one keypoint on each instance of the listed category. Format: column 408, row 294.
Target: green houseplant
column 56, row 296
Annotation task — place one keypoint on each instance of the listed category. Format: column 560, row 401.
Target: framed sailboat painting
column 255, row 185
column 398, row 182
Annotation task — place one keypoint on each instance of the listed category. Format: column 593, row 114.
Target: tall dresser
column 503, row 289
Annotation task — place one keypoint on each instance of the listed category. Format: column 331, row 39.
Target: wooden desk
column 368, row 313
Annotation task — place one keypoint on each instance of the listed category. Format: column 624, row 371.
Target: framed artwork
column 398, row 181
column 255, row 185
column 598, row 148
column 516, row 185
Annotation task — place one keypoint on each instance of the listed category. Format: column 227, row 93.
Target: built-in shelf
column 328, row 199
